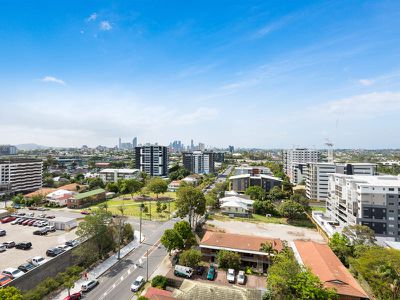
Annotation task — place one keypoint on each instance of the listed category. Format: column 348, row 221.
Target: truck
column 182, row 271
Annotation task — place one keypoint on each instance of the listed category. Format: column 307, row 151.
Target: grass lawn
column 132, row 207
column 263, row 219
column 318, row 208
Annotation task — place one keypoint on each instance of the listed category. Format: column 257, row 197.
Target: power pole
column 119, row 238
column 140, row 224
column 147, row 265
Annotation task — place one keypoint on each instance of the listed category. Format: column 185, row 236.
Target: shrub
column 159, row 282
column 190, row 258
column 228, row 260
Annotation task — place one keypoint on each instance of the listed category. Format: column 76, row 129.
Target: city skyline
column 255, row 75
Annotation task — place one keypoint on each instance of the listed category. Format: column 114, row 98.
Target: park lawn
column 263, row 219
column 319, row 208
column 129, row 196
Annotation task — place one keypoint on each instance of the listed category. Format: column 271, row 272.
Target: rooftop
column 89, row 194
column 19, row 160
column 127, row 171
column 365, row 180
column 325, row 264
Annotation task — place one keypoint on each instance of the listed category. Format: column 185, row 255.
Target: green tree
column 255, row 192
column 10, row 293
column 95, row 183
column 157, row 186
column 128, row 233
column 276, row 194
column 264, row 207
column 159, row 281
column 268, row 248
column 172, row 240
column 190, row 258
column 142, row 298
column 158, row 207
column 185, row 231
column 341, row 246
column 190, row 202
column 112, row 187
column 360, row 234
column 308, row 286
column 291, row 210
column 228, row 260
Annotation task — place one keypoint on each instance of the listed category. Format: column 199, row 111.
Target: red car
column 75, row 296
column 30, row 223
column 26, row 222
column 7, row 219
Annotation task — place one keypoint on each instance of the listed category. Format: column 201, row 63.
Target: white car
column 88, row 285
column 241, row 278
column 64, row 247
column 230, row 275
column 13, row 273
column 38, row 261
column 2, row 247
column 137, row 284
column 16, row 221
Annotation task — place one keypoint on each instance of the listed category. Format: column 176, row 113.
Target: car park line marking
column 129, row 271
column 122, row 277
column 113, row 286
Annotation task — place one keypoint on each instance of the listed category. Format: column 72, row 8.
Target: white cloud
column 366, row 82
column 53, row 80
column 92, row 17
column 105, row 26
column 273, row 26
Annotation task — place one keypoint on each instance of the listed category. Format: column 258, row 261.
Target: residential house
column 86, row 199
column 236, row 206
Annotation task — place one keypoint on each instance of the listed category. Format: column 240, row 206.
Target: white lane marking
column 122, row 277
column 113, row 286
column 129, row 271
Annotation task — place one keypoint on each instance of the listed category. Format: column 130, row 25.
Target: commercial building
column 8, row 150
column 20, row 175
column 152, row 159
column 317, row 175
column 293, row 157
column 198, row 162
column 252, row 170
column 86, row 199
column 219, row 157
column 113, row 175
column 239, row 183
column 247, row 246
column 322, row 262
column 372, row 201
column 60, row 197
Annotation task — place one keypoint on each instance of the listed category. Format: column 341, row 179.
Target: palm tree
column 268, row 248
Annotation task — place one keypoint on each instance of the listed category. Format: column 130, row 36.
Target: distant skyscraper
column 231, row 149
column 119, row 143
column 191, row 145
column 202, row 147
column 134, row 142
column 8, row 150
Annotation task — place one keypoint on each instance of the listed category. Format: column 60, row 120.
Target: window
column 391, row 189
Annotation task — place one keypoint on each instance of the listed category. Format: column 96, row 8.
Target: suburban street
column 115, row 283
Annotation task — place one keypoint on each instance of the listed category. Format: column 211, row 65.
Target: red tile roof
column 325, row 264
column 158, row 294
column 238, row 241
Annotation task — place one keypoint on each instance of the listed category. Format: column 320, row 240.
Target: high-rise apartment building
column 8, row 150
column 294, row 158
column 317, row 176
column 134, row 142
column 152, row 159
column 198, row 162
column 372, row 201
column 20, row 175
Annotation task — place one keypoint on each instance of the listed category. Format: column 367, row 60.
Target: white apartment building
column 372, row 201
column 252, row 170
column 152, row 159
column 20, row 175
column 112, row 175
column 293, row 158
column 317, row 176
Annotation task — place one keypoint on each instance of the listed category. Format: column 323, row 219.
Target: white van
column 183, row 271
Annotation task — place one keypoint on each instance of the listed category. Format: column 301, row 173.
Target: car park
column 2, row 232
column 54, row 251
column 26, row 267
column 12, row 273
column 74, row 296
column 4, row 279
column 241, row 277
column 230, row 275
column 38, row 261
column 23, row 245
column 88, row 285
column 3, row 248
column 137, row 284
column 182, row 271
column 211, row 273
column 9, row 244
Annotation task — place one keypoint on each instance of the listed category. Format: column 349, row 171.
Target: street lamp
column 140, row 222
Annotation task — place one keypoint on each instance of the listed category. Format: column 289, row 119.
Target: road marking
column 113, row 286
column 122, row 277
column 129, row 271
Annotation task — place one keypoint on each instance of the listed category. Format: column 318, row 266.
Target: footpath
column 101, row 268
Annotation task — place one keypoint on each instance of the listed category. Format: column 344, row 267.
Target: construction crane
column 330, row 150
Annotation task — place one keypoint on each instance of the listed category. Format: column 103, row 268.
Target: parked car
column 30, row 214
column 41, row 208
column 20, row 213
column 230, row 275
column 211, row 273
column 41, row 231
column 64, row 247
column 7, row 219
column 52, row 252
column 38, row 261
column 183, row 271
column 4, row 279
column 9, row 244
column 85, row 212
column 137, row 284
column 23, row 245
column 13, row 273
column 88, row 285
column 32, row 208
column 36, row 223
column 50, row 217
column 25, row 222
column 41, row 215
column 16, row 221
column 30, row 223
column 72, row 243
column 26, row 267
column 3, row 248
column 50, row 228
column 3, row 232
column 241, row 277
column 74, row 296
column 200, row 270
column 20, row 221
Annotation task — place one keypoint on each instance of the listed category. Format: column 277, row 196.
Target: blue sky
column 246, row 73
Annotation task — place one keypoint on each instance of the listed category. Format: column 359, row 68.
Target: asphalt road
column 115, row 283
